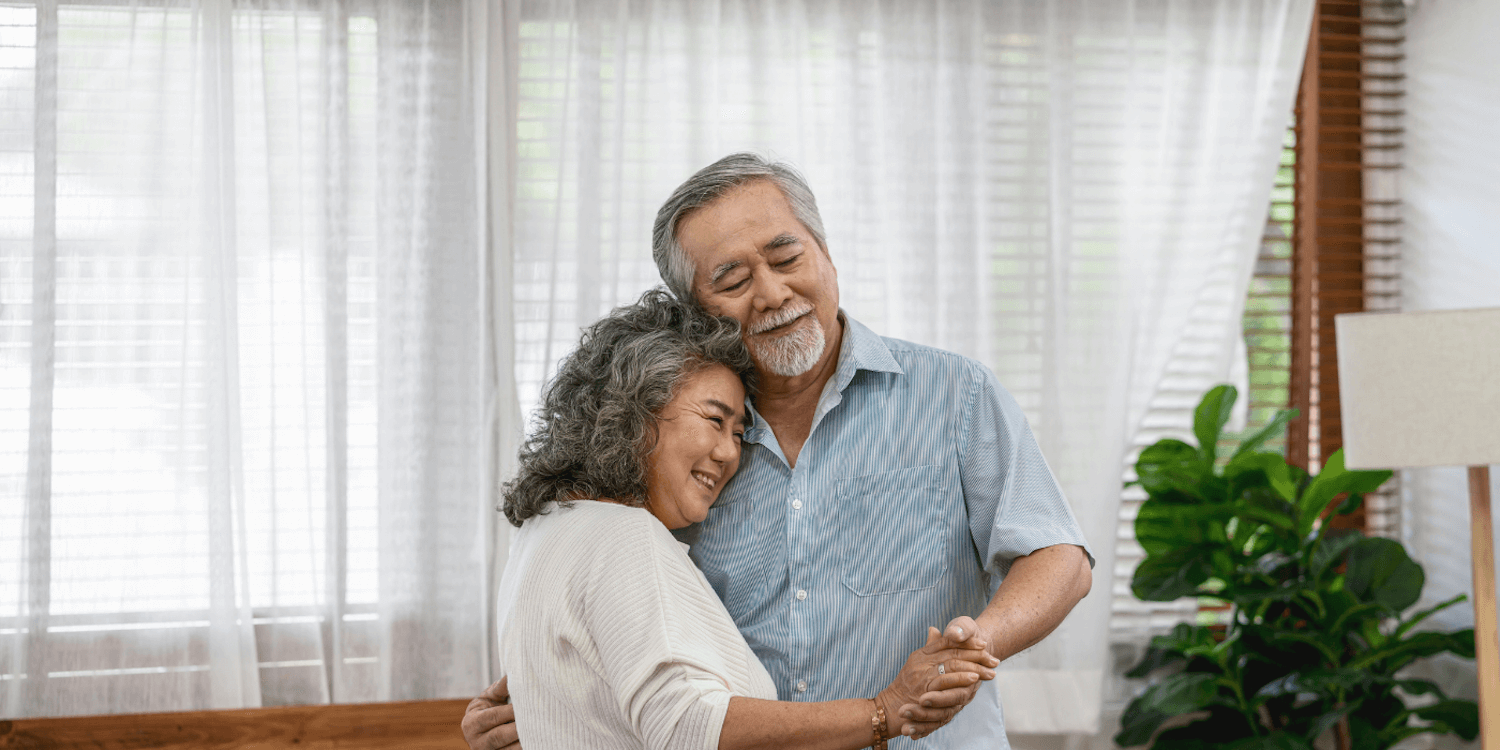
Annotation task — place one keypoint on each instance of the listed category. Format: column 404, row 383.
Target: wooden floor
column 419, row 725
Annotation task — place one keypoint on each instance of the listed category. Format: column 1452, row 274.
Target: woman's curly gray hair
column 597, row 420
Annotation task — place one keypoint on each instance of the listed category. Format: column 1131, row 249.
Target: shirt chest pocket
column 899, row 525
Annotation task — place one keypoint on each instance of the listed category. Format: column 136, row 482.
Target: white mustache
column 780, row 318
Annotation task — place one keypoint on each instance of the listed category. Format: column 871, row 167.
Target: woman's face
column 697, row 448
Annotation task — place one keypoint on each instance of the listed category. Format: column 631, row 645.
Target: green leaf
column 1417, row 646
column 1351, row 503
column 1461, row 643
column 1186, row 639
column 1172, row 647
column 1380, row 571
column 1162, row 527
column 1360, row 614
column 1457, row 716
column 1331, row 482
column 1219, row 726
column 1183, row 693
column 1329, row 652
column 1283, row 592
column 1331, row 549
column 1362, row 735
column 1272, row 741
column 1179, row 694
column 1209, row 418
column 1173, row 575
column 1275, row 517
column 1155, row 658
column 1417, row 617
column 1274, row 467
column 1420, row 687
column 1275, row 427
column 1172, row 468
column 1318, row 681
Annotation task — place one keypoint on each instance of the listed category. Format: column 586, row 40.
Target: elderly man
column 884, row 486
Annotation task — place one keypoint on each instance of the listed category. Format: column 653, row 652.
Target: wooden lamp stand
column 1418, row 389
column 1486, row 638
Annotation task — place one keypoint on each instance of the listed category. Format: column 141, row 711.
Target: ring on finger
column 942, row 670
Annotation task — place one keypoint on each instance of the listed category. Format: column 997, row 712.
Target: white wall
column 1451, row 191
column 1451, row 259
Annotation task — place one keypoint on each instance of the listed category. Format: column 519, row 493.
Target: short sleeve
column 1015, row 505
column 644, row 613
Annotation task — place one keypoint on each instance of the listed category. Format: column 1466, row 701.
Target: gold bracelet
column 877, row 726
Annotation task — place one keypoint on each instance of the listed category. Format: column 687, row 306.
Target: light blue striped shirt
column 918, row 485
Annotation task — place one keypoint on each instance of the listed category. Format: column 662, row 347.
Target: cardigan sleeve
column 646, row 615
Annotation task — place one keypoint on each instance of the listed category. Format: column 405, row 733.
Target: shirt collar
column 861, row 349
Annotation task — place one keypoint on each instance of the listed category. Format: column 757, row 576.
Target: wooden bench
column 418, row 725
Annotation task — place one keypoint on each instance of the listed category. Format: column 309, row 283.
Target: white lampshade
column 1420, row 388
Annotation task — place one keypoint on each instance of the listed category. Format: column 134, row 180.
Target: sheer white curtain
column 1071, row 192
column 247, row 365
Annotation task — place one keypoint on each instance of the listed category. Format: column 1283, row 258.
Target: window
column 1342, row 248
column 112, row 447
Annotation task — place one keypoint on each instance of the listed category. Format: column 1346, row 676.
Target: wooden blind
column 1345, row 219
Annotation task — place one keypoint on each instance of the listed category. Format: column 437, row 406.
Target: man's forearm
column 1040, row 590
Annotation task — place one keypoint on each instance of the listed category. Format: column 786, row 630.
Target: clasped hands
column 917, row 703
column 938, row 680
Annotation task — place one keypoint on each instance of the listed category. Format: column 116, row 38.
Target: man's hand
column 964, row 633
column 490, row 721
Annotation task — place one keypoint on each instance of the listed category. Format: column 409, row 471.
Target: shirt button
column 801, row 594
column 796, row 505
column 801, row 686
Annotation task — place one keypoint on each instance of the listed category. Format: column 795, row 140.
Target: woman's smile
column 697, row 446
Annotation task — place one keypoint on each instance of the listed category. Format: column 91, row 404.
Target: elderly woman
column 609, row 636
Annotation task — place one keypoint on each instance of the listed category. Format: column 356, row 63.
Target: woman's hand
column 489, row 722
column 921, row 698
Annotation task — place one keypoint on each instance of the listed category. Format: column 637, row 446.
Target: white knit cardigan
column 612, row 638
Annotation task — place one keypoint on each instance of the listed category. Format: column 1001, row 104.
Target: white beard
column 792, row 354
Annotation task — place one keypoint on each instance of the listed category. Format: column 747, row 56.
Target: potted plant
column 1318, row 625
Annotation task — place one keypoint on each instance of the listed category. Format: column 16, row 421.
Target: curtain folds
column 247, row 356
column 1071, row 192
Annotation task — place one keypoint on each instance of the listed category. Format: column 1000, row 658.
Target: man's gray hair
column 708, row 185
column 597, row 421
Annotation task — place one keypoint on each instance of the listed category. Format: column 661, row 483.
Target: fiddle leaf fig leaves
column 1275, row 427
column 1457, row 716
column 1161, row 527
column 1172, row 470
column 1380, row 571
column 1179, row 694
column 1173, row 575
column 1272, row 466
column 1332, row 550
column 1314, row 634
column 1211, row 415
column 1333, row 481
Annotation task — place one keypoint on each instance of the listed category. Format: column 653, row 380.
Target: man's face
column 755, row 262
